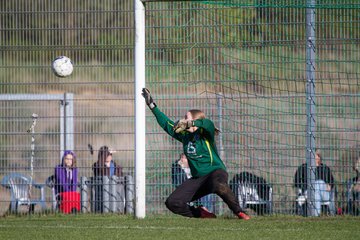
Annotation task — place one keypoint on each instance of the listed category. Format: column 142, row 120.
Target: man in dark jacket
column 324, row 183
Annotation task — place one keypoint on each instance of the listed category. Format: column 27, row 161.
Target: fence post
column 120, row 195
column 310, row 105
column 84, row 191
column 112, row 193
column 69, row 120
column 219, row 101
column 129, row 194
column 105, row 194
column 92, row 195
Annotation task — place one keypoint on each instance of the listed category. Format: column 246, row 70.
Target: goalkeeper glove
column 148, row 99
column 182, row 125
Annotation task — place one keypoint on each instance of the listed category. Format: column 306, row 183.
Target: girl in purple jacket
column 66, row 174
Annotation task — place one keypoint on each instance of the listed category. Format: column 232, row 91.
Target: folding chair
column 249, row 198
column 301, row 203
column 253, row 192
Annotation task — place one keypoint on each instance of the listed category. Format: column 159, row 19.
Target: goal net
column 251, row 66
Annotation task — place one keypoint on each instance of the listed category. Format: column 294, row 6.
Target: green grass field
column 173, row 227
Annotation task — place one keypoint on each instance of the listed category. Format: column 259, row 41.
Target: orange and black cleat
column 243, row 215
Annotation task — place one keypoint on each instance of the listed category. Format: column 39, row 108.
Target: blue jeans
column 322, row 194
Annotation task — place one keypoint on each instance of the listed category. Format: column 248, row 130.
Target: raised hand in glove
column 182, row 125
column 148, row 99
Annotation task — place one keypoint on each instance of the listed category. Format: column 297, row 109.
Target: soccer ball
column 62, row 66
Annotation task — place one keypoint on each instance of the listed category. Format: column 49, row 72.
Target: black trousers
column 195, row 188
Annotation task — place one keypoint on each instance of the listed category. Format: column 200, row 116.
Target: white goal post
column 140, row 111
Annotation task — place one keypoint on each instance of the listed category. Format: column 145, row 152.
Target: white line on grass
column 122, row 227
column 237, row 229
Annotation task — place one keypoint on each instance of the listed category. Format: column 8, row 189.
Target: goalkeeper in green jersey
column 197, row 134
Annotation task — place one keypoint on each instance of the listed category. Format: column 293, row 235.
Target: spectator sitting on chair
column 66, row 175
column 324, row 183
column 354, row 190
column 105, row 165
column 180, row 172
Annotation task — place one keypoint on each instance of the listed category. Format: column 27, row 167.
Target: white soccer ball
column 62, row 66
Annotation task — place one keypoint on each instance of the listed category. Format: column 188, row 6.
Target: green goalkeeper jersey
column 199, row 146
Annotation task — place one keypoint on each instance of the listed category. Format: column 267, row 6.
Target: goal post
column 260, row 60
column 140, row 122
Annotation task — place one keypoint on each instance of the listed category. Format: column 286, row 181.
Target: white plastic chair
column 50, row 182
column 19, row 184
column 248, row 196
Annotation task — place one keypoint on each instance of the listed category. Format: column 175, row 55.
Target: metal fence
column 243, row 64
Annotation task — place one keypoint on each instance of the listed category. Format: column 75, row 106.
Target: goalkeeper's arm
column 164, row 122
column 148, row 99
